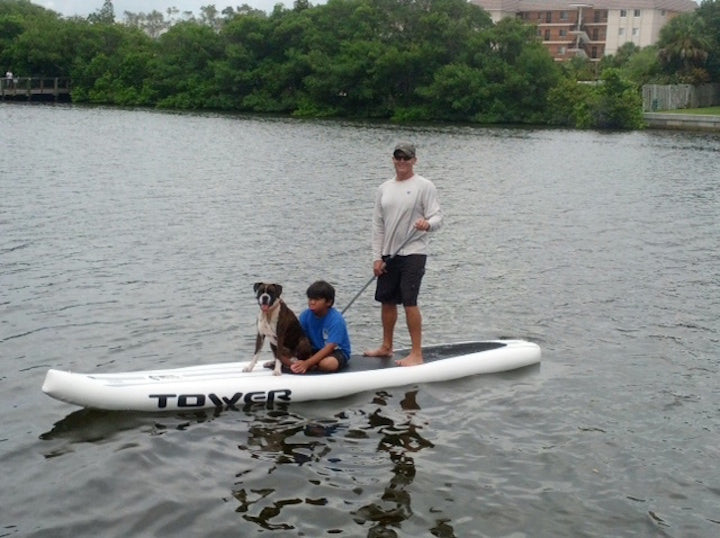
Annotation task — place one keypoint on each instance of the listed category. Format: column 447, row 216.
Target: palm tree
column 684, row 45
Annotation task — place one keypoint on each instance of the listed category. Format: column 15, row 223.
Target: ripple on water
column 133, row 245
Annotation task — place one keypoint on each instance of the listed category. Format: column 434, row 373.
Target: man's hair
column 321, row 290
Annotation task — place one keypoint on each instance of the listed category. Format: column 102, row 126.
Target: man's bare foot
column 381, row 352
column 410, row 360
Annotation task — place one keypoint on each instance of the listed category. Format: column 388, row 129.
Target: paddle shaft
column 407, row 240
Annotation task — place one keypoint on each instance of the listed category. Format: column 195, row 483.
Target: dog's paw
column 247, row 369
column 277, row 372
column 269, row 365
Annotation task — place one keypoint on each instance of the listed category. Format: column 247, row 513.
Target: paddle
column 407, row 240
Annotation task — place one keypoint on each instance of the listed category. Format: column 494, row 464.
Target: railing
column 30, row 87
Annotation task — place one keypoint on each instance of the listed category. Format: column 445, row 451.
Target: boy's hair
column 321, row 290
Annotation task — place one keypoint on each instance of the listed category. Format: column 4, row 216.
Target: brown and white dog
column 277, row 322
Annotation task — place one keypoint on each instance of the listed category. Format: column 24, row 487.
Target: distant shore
column 700, row 119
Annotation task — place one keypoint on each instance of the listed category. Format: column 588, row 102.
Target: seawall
column 690, row 122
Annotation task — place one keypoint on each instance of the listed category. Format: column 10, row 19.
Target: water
column 131, row 240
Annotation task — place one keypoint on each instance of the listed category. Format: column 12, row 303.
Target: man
column 406, row 209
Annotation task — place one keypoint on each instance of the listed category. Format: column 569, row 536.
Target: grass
column 709, row 111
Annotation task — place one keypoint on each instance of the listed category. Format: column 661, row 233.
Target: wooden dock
column 40, row 88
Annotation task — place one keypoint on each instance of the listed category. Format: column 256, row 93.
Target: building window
column 621, row 31
column 636, row 13
column 595, row 34
column 548, row 16
column 563, row 32
column 623, row 13
column 547, row 35
column 593, row 52
column 563, row 15
column 561, row 51
column 636, row 31
column 662, row 12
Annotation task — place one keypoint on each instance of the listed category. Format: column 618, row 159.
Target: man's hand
column 378, row 267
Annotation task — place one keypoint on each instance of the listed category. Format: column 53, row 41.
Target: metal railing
column 34, row 86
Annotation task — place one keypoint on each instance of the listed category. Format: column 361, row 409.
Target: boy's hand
column 299, row 367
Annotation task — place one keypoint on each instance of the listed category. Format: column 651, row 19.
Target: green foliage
column 404, row 60
column 619, row 105
column 567, row 103
column 182, row 68
column 104, row 15
column 640, row 66
column 709, row 12
column 643, row 67
column 580, row 68
column 684, row 48
column 612, row 103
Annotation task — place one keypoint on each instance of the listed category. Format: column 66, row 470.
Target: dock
column 40, row 88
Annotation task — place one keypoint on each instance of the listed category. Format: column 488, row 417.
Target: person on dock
column 406, row 208
column 327, row 331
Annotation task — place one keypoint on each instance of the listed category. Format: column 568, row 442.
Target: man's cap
column 406, row 147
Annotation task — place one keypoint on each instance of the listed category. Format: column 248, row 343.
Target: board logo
column 189, row 401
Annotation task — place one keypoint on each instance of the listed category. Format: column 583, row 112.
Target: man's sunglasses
column 401, row 157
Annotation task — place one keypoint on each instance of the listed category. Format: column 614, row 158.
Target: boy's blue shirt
column 329, row 329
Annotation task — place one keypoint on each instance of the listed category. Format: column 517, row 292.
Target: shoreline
column 692, row 122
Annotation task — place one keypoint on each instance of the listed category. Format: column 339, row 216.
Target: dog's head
column 267, row 294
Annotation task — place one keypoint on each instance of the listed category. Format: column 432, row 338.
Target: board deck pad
column 360, row 363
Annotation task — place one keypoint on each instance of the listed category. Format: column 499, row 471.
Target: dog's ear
column 279, row 289
column 256, row 286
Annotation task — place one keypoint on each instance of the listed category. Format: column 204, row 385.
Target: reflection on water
column 280, row 438
column 400, row 441
column 99, row 426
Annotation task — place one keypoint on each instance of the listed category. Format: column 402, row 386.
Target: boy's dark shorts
column 400, row 283
column 339, row 356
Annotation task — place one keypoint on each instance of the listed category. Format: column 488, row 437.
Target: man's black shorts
column 400, row 283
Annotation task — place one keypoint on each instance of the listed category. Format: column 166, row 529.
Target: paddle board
column 225, row 385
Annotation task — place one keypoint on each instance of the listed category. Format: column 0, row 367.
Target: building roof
column 511, row 6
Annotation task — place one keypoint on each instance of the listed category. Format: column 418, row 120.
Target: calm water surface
column 131, row 240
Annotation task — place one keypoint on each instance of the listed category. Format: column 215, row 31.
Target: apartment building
column 590, row 29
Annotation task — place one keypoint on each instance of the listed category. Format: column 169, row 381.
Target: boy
column 327, row 331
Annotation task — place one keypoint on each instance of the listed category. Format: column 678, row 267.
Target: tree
column 684, row 48
column 183, row 66
column 209, row 15
column 709, row 12
column 621, row 57
column 643, row 67
column 613, row 103
column 618, row 104
column 153, row 23
column 104, row 15
column 568, row 103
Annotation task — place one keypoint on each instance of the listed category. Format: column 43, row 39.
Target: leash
column 407, row 240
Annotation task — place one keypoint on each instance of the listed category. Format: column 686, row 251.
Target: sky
column 85, row 7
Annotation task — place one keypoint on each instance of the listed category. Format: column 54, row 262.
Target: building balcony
column 582, row 34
